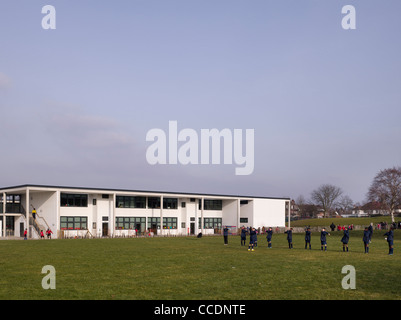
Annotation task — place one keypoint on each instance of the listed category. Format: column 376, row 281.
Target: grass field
column 195, row 269
column 365, row 221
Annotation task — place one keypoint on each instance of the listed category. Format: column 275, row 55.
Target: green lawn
column 191, row 268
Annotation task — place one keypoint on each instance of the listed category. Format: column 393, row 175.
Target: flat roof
column 103, row 190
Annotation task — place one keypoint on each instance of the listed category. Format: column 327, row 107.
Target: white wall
column 45, row 203
column 269, row 212
column 230, row 213
column 247, row 212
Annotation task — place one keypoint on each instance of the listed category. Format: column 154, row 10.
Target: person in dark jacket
column 252, row 239
column 345, row 239
column 365, row 239
column 390, row 240
column 269, row 236
column 243, row 236
column 225, row 235
column 289, row 237
column 308, row 234
column 323, row 242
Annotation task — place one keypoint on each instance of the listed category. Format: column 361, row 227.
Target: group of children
column 48, row 234
column 42, row 236
column 367, row 236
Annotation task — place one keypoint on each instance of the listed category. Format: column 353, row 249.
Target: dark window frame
column 73, row 199
column 73, row 223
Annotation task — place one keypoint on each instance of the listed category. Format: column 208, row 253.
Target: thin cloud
column 5, row 81
column 74, row 125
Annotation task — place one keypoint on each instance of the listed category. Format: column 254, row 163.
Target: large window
column 211, row 223
column 211, row 204
column 130, row 202
column 73, row 223
column 170, row 203
column 13, row 203
column 74, row 200
column 168, row 223
column 154, row 202
column 131, row 223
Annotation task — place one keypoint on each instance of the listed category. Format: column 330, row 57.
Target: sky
column 77, row 102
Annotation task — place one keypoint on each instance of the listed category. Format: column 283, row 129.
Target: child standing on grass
column 345, row 239
column 269, row 233
column 252, row 239
column 323, row 242
column 366, row 239
column 49, row 233
column 308, row 234
column 225, row 235
column 243, row 236
column 289, row 237
column 390, row 241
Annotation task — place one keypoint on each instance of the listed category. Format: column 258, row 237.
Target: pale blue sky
column 76, row 102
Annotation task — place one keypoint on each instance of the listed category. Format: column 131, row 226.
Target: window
column 154, row 202
column 243, row 220
column 13, row 203
column 170, row 203
column 73, row 223
column 131, row 223
column 130, row 202
column 211, row 204
column 73, row 200
column 211, row 223
column 153, row 223
column 168, row 223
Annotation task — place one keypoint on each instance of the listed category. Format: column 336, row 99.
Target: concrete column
column 196, row 229
column 57, row 230
column 202, row 222
column 287, row 206
column 29, row 235
column 4, row 213
column 113, row 216
column 238, row 213
column 161, row 214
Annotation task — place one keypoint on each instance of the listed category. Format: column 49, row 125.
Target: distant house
column 371, row 209
column 295, row 211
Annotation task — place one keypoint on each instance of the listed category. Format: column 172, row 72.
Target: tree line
column 385, row 190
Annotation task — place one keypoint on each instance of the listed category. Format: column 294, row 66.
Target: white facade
column 85, row 212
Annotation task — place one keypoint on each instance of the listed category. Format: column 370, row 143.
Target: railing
column 36, row 225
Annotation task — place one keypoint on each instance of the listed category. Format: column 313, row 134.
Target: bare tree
column 386, row 189
column 345, row 203
column 325, row 197
column 301, row 202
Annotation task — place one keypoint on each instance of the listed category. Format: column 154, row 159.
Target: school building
column 93, row 212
